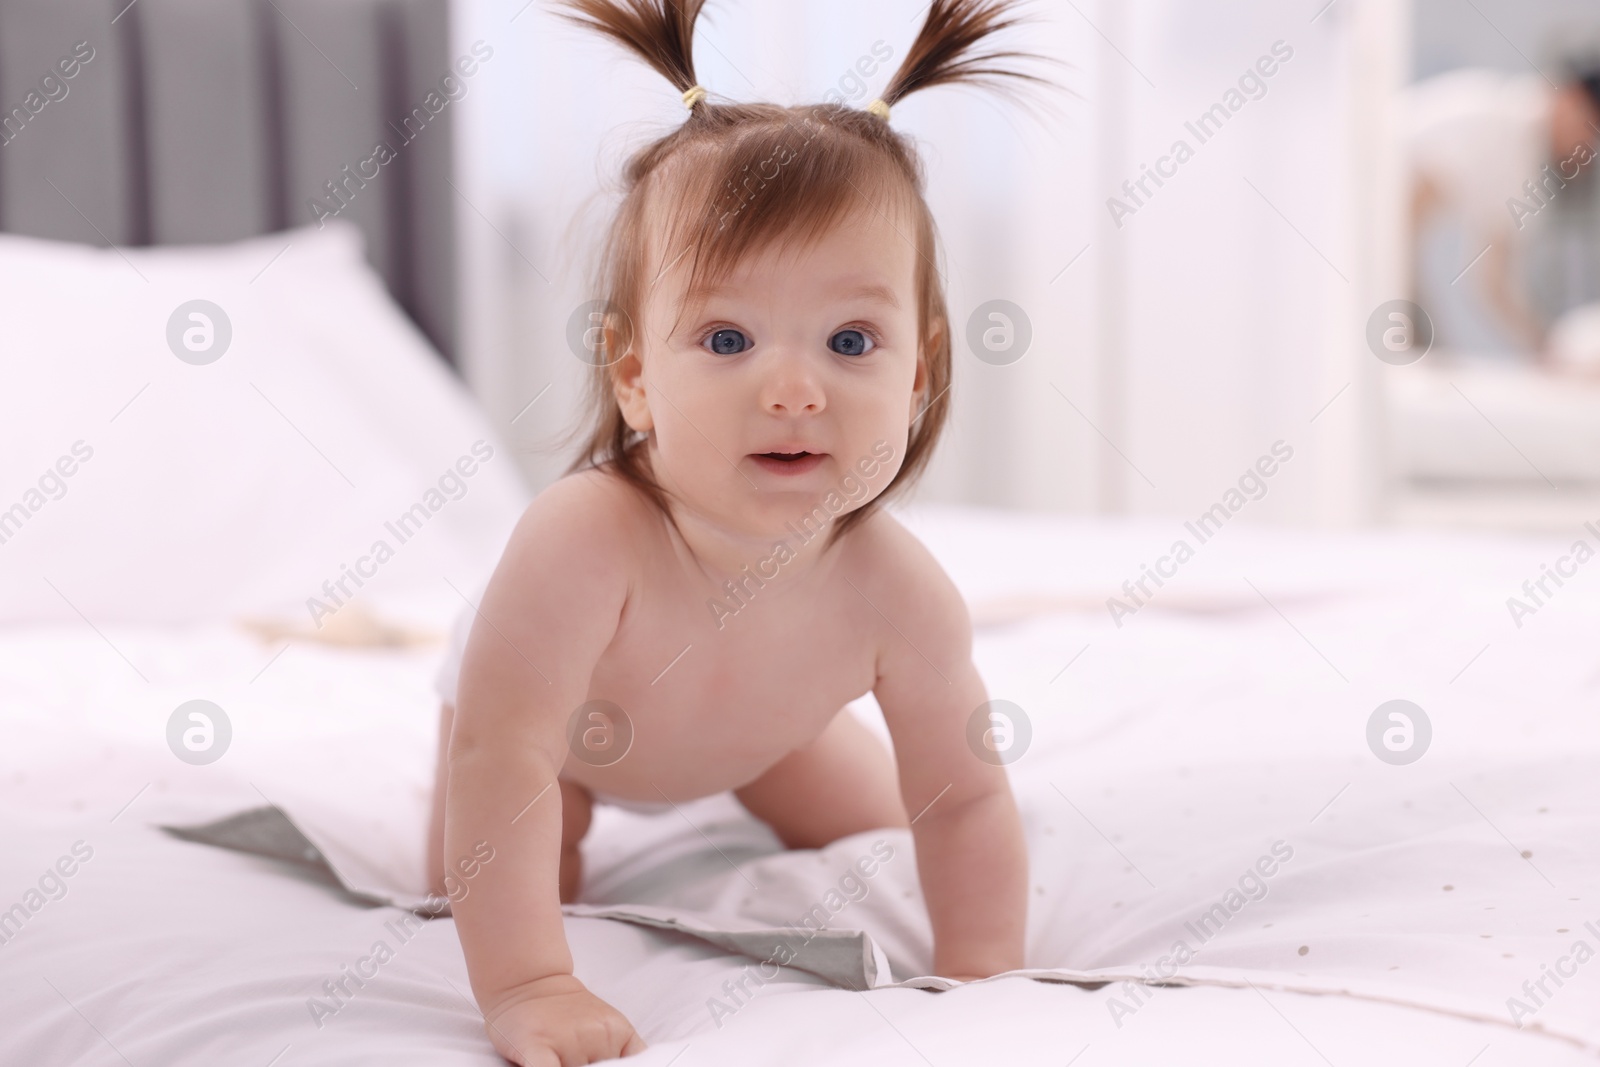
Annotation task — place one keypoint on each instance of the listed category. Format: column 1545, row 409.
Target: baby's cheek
column 692, row 462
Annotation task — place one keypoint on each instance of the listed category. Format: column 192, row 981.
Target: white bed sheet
column 1168, row 754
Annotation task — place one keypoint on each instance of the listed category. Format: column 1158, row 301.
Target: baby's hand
column 556, row 1022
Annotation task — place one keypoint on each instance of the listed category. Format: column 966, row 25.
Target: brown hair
column 719, row 165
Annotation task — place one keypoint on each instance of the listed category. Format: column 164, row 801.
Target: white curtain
column 1169, row 353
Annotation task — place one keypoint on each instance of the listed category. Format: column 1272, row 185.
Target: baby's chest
column 754, row 680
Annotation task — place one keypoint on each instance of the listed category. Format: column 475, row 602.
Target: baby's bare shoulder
column 895, row 569
column 550, row 608
column 585, row 525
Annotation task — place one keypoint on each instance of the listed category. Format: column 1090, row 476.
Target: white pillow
column 136, row 485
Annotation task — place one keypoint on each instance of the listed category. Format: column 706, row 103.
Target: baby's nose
column 792, row 384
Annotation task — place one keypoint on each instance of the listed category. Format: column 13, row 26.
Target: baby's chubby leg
column 841, row 783
column 576, row 812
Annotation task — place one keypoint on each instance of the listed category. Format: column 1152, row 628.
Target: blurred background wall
column 1504, row 34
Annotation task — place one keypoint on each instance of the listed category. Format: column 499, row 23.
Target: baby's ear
column 627, row 385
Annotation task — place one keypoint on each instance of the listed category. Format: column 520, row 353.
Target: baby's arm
column 971, row 855
column 548, row 613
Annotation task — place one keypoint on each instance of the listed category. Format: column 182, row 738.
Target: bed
column 1221, row 729
column 190, row 509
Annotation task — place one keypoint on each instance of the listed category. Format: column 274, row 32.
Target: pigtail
column 661, row 32
column 940, row 56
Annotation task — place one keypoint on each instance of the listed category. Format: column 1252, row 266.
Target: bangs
column 785, row 184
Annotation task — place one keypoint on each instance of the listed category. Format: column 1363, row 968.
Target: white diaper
column 449, row 673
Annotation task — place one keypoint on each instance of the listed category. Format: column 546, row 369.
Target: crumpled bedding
column 1312, row 910
column 1429, row 903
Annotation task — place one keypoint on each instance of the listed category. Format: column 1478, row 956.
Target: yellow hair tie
column 880, row 109
column 693, row 96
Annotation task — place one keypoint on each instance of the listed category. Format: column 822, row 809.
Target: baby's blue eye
column 851, row 343
column 728, row 342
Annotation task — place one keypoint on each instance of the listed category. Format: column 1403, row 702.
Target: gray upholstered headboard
column 193, row 121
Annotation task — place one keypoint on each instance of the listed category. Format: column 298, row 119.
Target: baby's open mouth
column 788, row 462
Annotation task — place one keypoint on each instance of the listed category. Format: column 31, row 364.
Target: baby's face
column 811, row 351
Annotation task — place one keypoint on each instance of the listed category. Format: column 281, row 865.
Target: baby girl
column 691, row 608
